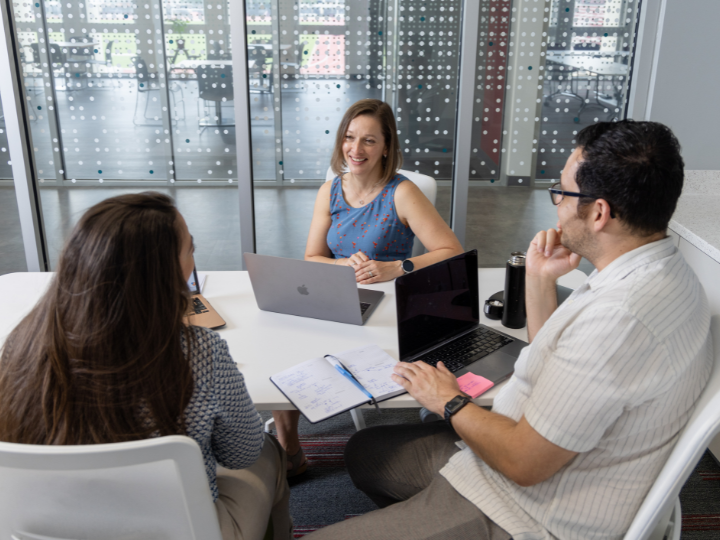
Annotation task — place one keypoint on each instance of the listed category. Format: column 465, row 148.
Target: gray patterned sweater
column 221, row 416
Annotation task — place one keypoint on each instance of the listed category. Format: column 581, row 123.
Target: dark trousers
column 398, row 468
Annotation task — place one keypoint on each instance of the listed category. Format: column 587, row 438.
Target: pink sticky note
column 474, row 385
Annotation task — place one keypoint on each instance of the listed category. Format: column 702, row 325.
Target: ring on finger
column 370, row 273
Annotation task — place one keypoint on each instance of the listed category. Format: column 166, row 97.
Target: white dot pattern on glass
column 587, row 64
column 319, row 58
column 111, row 87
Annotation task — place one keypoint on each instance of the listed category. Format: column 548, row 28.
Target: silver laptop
column 309, row 289
column 438, row 313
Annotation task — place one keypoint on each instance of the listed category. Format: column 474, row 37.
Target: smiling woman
column 367, row 218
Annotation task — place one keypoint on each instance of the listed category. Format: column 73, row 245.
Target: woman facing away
column 368, row 218
column 105, row 357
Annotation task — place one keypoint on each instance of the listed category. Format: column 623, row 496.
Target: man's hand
column 547, row 258
column 431, row 387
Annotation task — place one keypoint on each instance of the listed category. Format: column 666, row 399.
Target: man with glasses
column 582, row 429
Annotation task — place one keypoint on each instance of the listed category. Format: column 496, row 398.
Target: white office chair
column 154, row 488
column 660, row 515
column 427, row 185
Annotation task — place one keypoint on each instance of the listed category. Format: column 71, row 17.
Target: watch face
column 408, row 265
column 454, row 405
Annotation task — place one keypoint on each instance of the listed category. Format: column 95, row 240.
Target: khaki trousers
column 251, row 498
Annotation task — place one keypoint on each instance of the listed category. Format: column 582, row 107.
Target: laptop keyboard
column 466, row 350
column 197, row 307
column 363, row 307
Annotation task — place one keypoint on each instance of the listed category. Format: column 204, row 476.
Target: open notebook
column 319, row 389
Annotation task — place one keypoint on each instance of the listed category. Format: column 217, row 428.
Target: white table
column 603, row 65
column 596, row 66
column 264, row 343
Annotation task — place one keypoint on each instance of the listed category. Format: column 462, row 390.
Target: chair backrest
column 57, row 56
column 108, row 52
column 154, row 488
column 142, row 74
column 702, row 427
column 35, row 47
column 427, row 185
column 215, row 82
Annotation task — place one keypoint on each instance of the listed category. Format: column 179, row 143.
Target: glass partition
column 12, row 251
column 587, row 73
column 544, row 71
column 130, row 96
column 309, row 61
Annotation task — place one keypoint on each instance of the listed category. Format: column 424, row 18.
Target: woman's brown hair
column 382, row 112
column 99, row 359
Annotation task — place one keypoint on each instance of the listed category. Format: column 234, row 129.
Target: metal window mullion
column 161, row 60
column 20, row 145
column 464, row 119
column 243, row 140
column 277, row 95
column 390, row 88
column 54, row 117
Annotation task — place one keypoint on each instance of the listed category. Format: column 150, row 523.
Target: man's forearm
column 493, row 438
column 512, row 448
column 540, row 303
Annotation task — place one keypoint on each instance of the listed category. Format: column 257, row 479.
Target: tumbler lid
column 517, row 258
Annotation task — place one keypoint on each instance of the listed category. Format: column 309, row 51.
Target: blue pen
column 349, row 376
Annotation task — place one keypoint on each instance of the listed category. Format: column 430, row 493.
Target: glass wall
column 309, row 61
column 12, row 252
column 130, row 96
column 587, row 73
column 544, row 70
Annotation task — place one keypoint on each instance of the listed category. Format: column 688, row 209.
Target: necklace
column 361, row 198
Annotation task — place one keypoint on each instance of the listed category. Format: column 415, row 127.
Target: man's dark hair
column 636, row 167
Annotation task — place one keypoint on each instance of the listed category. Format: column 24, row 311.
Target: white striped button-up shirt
column 614, row 375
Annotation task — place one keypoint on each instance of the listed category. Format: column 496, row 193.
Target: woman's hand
column 377, row 271
column 353, row 260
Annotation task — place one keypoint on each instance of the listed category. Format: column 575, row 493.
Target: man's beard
column 580, row 240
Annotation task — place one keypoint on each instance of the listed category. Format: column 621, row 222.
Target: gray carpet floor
column 325, row 494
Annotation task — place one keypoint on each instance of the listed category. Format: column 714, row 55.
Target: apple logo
column 303, row 290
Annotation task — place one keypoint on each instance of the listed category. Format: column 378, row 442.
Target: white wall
column 684, row 90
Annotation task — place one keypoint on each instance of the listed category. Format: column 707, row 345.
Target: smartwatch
column 454, row 405
column 408, row 266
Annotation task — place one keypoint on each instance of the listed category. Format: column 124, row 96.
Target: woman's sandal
column 299, row 464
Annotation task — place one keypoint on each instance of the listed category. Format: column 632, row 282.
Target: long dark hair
column 99, row 358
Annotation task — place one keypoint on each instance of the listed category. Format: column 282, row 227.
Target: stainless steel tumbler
column 514, row 310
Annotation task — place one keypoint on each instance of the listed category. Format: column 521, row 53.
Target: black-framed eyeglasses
column 557, row 195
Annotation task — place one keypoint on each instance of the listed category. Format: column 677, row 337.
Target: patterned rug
column 325, row 494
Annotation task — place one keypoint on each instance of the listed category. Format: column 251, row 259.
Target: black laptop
column 438, row 313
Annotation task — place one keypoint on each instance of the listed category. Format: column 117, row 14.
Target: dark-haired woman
column 105, row 357
column 367, row 218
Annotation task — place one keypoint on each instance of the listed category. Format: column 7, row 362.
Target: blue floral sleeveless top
column 374, row 229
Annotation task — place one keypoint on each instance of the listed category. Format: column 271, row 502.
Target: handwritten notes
column 474, row 385
column 372, row 367
column 319, row 391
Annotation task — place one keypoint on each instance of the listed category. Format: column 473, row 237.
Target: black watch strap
column 454, row 405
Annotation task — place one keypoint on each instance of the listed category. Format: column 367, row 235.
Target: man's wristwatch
column 407, row 266
column 454, row 405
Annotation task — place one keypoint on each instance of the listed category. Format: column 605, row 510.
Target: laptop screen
column 437, row 303
column 193, row 283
